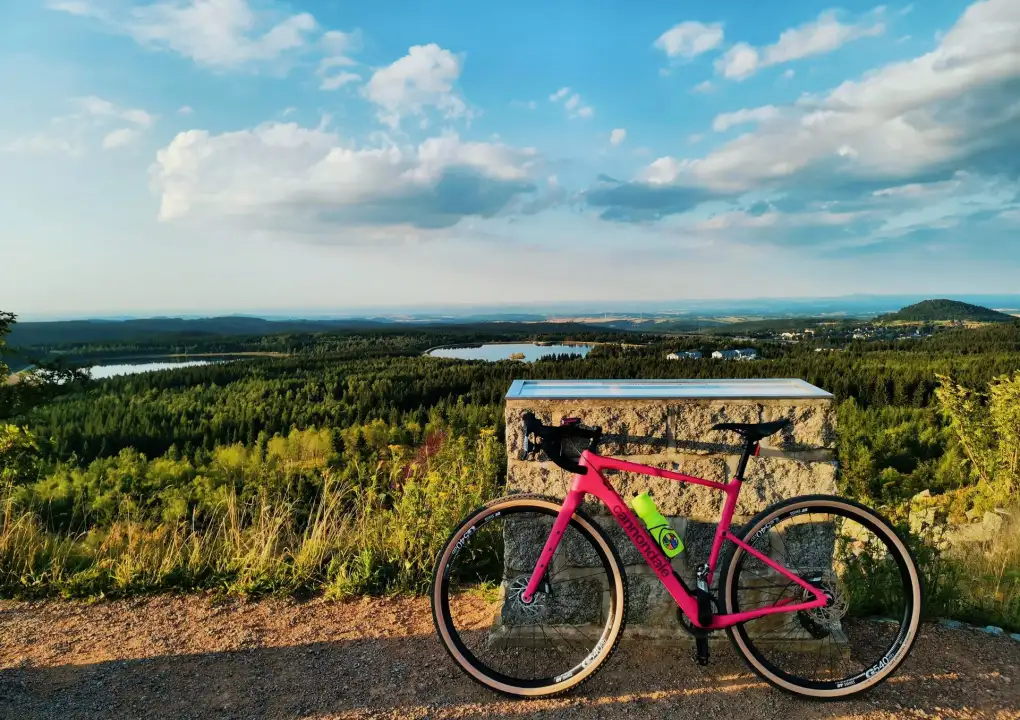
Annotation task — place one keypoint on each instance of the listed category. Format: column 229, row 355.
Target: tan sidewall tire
column 610, row 639
column 914, row 620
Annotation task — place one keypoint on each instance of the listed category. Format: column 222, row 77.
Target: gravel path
column 188, row 657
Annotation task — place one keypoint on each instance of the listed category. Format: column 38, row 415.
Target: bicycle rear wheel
column 870, row 623
column 568, row 630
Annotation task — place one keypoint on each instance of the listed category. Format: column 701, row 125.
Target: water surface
column 503, row 351
column 106, row 371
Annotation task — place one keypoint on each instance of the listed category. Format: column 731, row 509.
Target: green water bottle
column 657, row 525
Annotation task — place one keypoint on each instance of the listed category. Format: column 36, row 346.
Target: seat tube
column 730, row 506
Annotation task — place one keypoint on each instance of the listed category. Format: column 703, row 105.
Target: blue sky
column 209, row 155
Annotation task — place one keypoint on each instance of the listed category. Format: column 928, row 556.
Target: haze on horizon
column 179, row 156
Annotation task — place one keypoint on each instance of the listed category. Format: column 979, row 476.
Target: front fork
column 570, row 505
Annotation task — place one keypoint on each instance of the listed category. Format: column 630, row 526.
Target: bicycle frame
column 594, row 483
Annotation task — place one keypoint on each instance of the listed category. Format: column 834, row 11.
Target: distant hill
column 29, row 334
column 173, row 331
column 935, row 310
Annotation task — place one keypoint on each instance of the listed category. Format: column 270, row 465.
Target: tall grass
column 290, row 521
column 379, row 533
column 987, row 580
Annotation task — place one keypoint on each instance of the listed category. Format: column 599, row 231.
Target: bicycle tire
column 444, row 623
column 872, row 676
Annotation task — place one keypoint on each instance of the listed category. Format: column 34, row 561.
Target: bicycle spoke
column 547, row 637
column 833, row 551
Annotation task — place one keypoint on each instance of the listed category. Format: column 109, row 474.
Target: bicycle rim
column 544, row 647
column 874, row 591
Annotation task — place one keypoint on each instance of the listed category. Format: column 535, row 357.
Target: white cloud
column 788, row 74
column 574, row 106
column 740, row 61
column 185, row 110
column 88, row 125
column 216, row 33
column 422, row 79
column 940, row 108
column 72, row 7
column 705, row 86
column 689, row 39
column 285, row 173
column 618, row 136
column 739, row 219
column 120, row 137
column 913, row 122
column 725, row 121
column 340, row 44
column 334, row 82
column 41, row 143
column 100, row 108
column 820, row 36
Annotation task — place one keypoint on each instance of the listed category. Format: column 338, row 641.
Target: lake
column 503, row 351
column 106, row 371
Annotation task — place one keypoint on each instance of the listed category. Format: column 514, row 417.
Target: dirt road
column 187, row 657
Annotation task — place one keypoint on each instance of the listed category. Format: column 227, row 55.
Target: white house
column 742, row 354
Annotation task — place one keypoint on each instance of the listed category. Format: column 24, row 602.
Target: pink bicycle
column 818, row 594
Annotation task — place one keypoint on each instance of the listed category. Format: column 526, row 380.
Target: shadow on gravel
column 411, row 677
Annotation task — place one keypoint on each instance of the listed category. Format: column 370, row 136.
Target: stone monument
column 667, row 424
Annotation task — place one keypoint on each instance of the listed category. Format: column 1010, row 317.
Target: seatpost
column 751, row 447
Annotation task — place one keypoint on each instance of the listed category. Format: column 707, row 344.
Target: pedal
column 701, row 651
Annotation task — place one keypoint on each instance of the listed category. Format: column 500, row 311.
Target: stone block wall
column 676, row 434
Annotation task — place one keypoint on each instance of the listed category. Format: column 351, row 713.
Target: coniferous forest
column 217, row 476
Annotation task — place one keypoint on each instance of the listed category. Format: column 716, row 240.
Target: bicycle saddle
column 754, row 432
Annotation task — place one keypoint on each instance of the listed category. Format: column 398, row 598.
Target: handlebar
column 550, row 438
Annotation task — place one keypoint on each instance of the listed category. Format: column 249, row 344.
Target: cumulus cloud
column 914, row 122
column 822, row 35
column 690, row 39
column 617, row 136
column 559, row 94
column 704, row 86
column 422, row 79
column 285, row 173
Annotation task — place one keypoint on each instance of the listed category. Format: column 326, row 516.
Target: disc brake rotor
column 825, row 620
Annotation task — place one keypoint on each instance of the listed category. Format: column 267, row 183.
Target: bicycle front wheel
column 867, row 628
column 568, row 630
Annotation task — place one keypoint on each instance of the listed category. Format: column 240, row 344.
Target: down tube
column 593, row 483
